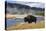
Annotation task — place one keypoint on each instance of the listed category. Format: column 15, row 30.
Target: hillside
column 15, row 8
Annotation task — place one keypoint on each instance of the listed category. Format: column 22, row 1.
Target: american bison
column 30, row 19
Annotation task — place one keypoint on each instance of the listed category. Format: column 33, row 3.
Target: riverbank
column 27, row 26
column 10, row 16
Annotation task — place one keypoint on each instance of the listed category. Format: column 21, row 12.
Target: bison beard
column 30, row 19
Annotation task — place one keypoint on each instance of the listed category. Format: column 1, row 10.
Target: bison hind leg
column 35, row 22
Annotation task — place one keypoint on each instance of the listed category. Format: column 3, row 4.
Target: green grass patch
column 41, row 14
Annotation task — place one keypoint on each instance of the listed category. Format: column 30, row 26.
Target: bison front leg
column 25, row 21
column 35, row 20
column 29, row 22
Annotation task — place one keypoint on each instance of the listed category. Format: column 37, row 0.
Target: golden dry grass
column 27, row 26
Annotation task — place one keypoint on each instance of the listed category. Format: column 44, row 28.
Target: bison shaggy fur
column 30, row 19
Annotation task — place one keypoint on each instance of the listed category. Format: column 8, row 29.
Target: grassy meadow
column 38, row 25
